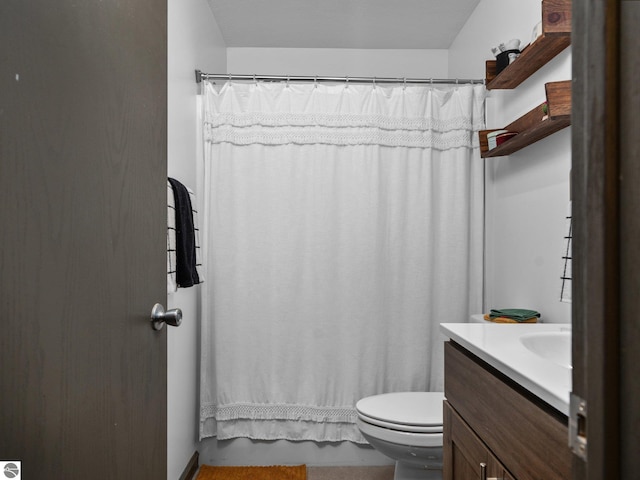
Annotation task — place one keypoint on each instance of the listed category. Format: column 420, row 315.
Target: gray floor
column 350, row 473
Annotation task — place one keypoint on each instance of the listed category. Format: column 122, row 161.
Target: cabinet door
column 466, row 457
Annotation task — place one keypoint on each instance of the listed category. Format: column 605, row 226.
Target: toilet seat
column 412, row 412
column 399, row 427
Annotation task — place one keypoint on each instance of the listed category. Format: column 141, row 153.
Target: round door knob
column 159, row 317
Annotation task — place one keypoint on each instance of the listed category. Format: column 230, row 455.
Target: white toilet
column 406, row 426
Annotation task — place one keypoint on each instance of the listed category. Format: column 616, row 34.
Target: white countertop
column 499, row 345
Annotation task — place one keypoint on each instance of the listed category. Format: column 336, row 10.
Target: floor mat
column 276, row 472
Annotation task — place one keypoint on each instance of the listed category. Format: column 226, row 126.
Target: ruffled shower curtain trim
column 284, row 422
column 343, row 137
column 255, row 411
column 414, row 117
column 295, row 431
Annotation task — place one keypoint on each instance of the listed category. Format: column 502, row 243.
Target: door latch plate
column 578, row 426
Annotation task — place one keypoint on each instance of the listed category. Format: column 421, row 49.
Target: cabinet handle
column 483, row 473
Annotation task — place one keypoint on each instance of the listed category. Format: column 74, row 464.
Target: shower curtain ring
column 315, row 82
column 404, row 83
column 374, row 83
column 254, row 79
column 347, row 81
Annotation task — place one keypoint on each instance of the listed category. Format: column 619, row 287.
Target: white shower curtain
column 342, row 224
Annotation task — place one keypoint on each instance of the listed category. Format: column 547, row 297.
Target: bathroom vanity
column 506, row 403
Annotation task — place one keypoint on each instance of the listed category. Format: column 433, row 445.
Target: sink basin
column 552, row 346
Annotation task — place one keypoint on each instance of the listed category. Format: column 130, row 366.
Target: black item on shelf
column 502, row 59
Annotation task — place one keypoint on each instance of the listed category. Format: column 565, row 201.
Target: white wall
column 194, row 41
column 527, row 193
column 338, row 62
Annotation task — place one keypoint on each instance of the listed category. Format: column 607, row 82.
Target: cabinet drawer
column 527, row 436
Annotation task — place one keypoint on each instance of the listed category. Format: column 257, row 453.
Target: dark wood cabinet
column 494, row 429
column 468, row 458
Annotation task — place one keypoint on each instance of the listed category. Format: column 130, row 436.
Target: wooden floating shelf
column 534, row 125
column 556, row 36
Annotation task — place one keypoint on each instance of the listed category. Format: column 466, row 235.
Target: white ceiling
column 397, row 24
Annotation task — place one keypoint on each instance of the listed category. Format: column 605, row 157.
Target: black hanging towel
column 186, row 273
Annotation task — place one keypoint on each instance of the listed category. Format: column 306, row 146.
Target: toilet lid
column 408, row 411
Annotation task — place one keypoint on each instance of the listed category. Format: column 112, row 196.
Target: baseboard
column 191, row 469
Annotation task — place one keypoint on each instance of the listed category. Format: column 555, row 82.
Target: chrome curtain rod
column 296, row 78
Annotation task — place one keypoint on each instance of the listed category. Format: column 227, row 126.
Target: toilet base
column 412, row 462
column 409, row 471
